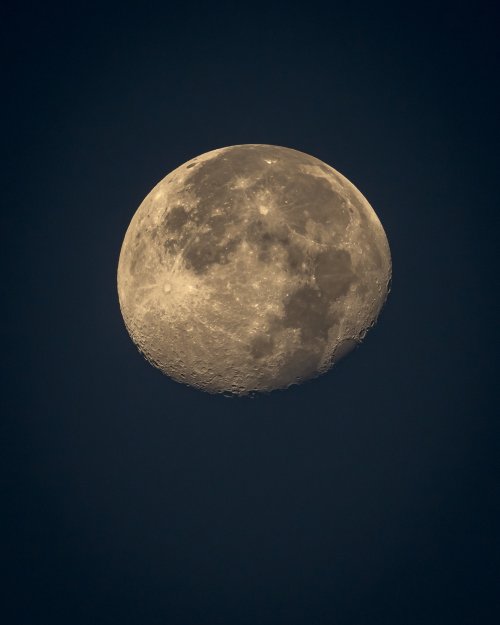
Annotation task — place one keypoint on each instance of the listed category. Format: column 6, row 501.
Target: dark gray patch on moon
column 302, row 365
column 307, row 310
column 208, row 251
column 262, row 346
column 312, row 198
column 176, row 218
column 304, row 197
column 334, row 274
column 264, row 236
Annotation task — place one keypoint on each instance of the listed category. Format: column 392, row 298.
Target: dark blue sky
column 363, row 497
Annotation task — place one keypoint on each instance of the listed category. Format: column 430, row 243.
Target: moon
column 252, row 268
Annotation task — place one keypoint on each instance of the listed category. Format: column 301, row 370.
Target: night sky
column 365, row 496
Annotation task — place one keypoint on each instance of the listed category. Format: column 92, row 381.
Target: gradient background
column 365, row 496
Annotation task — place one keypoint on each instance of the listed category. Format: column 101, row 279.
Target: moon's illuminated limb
column 250, row 268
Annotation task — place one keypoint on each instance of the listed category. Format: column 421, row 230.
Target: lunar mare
column 252, row 268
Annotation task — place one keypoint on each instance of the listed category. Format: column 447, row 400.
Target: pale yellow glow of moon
column 251, row 268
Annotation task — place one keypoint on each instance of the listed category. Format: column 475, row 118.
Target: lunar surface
column 252, row 268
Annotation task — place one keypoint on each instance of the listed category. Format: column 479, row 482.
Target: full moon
column 251, row 268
